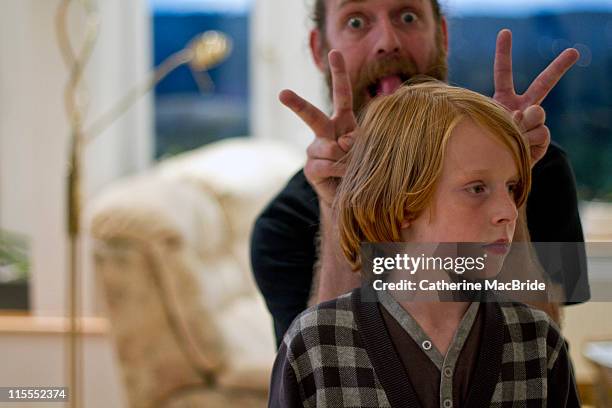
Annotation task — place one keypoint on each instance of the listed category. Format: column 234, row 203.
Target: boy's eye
column 476, row 189
column 356, row 22
column 408, row 17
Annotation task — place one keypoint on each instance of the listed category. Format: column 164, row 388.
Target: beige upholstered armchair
column 171, row 259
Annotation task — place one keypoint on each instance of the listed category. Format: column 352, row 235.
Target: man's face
column 384, row 43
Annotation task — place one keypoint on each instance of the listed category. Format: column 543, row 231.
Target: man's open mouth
column 386, row 85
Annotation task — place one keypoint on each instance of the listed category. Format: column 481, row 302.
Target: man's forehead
column 342, row 3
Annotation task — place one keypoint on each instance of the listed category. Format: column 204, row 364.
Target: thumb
column 346, row 141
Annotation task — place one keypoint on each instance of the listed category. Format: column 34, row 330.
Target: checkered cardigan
column 339, row 354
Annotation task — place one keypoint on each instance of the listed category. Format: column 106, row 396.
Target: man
column 366, row 48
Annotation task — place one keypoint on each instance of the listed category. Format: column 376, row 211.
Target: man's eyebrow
column 345, row 2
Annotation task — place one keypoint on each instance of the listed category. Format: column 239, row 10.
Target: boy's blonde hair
column 394, row 165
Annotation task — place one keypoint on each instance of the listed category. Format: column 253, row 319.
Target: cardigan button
column 426, row 344
column 448, row 372
column 447, row 403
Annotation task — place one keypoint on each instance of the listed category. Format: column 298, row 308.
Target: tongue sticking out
column 388, row 85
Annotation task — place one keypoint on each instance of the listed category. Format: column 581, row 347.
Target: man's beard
column 365, row 86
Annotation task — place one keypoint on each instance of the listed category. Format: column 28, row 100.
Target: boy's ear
column 407, row 221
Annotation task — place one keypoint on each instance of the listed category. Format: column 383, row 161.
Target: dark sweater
column 340, row 354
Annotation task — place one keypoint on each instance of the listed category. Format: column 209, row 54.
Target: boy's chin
column 492, row 269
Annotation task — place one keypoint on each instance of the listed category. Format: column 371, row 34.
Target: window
column 185, row 115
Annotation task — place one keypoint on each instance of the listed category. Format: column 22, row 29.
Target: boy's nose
column 504, row 209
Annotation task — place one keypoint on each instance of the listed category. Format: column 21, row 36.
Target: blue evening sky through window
column 453, row 7
column 182, row 6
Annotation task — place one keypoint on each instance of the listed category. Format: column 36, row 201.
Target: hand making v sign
column 526, row 108
column 333, row 135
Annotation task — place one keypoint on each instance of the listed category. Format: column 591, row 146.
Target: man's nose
column 388, row 40
column 504, row 208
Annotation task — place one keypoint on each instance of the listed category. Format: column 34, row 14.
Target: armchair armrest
column 148, row 233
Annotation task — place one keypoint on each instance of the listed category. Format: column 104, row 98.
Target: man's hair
column 393, row 167
column 319, row 13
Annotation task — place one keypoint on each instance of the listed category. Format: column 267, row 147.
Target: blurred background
column 201, row 148
column 579, row 108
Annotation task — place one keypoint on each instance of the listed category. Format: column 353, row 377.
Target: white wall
column 34, row 129
column 33, row 166
column 30, row 360
column 280, row 58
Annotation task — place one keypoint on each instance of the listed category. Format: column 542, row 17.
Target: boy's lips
column 499, row 247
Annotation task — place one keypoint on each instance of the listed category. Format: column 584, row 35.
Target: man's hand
column 333, row 139
column 333, row 135
column 526, row 108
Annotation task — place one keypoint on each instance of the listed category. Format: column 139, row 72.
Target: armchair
column 171, row 257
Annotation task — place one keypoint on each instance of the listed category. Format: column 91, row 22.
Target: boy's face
column 474, row 200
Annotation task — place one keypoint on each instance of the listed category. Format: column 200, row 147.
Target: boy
column 433, row 164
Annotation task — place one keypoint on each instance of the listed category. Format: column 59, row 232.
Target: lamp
column 202, row 53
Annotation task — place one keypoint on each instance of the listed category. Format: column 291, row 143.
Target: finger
column 545, row 82
column 341, row 85
column 316, row 120
column 339, row 169
column 539, row 140
column 502, row 66
column 517, row 116
column 538, row 137
column 319, row 169
column 533, row 117
column 325, row 149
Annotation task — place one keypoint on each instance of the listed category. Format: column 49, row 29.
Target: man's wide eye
column 408, row 17
column 356, row 22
